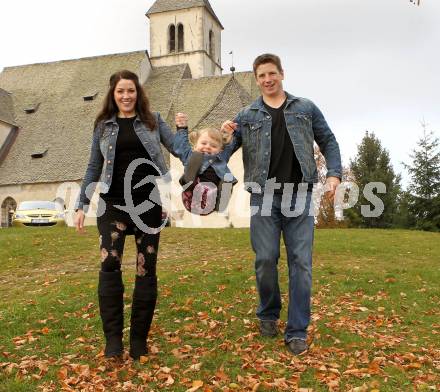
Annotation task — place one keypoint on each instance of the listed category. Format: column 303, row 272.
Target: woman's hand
column 181, row 120
column 79, row 221
column 229, row 127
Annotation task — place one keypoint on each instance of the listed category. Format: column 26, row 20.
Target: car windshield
column 37, row 205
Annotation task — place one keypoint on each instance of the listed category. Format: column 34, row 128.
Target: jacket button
column 109, row 161
column 113, row 133
column 110, row 147
column 108, row 175
column 264, row 171
column 267, row 117
column 266, row 153
column 267, row 133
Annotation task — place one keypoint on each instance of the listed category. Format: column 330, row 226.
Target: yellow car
column 38, row 213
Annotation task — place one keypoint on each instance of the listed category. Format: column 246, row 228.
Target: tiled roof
column 63, row 121
column 200, row 97
column 174, row 5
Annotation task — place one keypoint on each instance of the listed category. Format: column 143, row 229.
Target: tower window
column 211, row 43
column 180, row 37
column 172, row 38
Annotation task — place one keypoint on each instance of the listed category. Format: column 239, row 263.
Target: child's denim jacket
column 183, row 150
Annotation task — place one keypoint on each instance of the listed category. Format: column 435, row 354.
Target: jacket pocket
column 252, row 135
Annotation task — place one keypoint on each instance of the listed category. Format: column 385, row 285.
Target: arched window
column 172, row 38
column 211, row 44
column 180, row 46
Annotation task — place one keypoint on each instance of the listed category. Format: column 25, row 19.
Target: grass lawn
column 376, row 315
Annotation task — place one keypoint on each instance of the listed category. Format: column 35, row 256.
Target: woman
column 126, row 130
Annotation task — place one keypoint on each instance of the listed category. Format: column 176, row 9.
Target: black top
column 284, row 165
column 129, row 148
column 209, row 175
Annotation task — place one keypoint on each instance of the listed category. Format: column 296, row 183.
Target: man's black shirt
column 284, row 165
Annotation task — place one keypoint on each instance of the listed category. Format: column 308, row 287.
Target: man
column 276, row 133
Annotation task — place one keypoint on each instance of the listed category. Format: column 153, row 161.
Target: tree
column 424, row 188
column 324, row 208
column 327, row 216
column 372, row 164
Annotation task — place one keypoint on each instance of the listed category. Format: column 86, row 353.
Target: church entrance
column 8, row 207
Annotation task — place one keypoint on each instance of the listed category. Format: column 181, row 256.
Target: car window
column 35, row 205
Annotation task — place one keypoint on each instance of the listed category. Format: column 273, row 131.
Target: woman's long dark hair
column 142, row 103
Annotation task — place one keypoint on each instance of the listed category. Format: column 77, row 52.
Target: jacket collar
column 258, row 104
column 112, row 119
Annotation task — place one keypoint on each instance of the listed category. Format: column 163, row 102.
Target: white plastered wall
column 196, row 22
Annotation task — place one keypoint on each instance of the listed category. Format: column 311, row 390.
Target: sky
column 369, row 65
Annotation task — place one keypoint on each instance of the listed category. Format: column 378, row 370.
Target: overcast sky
column 368, row 64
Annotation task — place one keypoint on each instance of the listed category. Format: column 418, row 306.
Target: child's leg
column 192, row 169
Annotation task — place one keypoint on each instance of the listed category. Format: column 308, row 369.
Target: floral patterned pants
column 114, row 225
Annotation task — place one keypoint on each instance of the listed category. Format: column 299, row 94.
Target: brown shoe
column 297, row 346
column 269, row 328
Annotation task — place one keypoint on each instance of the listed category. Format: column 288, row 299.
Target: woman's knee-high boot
column 111, row 308
column 142, row 310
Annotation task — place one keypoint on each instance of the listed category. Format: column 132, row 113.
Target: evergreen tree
column 372, row 164
column 424, row 188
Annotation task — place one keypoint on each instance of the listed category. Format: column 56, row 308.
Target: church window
column 180, row 47
column 31, row 108
column 211, row 43
column 172, row 38
column 90, row 97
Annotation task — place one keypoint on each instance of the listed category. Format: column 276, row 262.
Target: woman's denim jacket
column 103, row 152
column 305, row 124
column 219, row 162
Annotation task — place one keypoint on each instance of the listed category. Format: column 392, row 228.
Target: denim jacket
column 218, row 161
column 305, row 124
column 102, row 155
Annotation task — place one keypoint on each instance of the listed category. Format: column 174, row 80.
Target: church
column 47, row 110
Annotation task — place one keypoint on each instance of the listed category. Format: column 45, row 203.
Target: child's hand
column 227, row 137
column 181, row 120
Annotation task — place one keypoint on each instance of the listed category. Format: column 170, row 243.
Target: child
column 206, row 171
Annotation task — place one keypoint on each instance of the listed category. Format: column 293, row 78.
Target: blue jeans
column 297, row 229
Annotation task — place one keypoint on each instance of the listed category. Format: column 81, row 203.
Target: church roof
column 59, row 129
column 61, row 122
column 174, row 5
column 211, row 100
column 6, row 107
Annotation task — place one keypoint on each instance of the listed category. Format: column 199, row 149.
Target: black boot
column 111, row 308
column 142, row 310
column 192, row 168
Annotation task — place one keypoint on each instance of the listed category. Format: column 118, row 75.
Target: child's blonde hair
column 220, row 137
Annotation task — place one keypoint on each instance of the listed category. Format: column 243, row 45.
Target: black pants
column 114, row 225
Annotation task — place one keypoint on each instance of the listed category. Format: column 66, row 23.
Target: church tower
column 186, row 31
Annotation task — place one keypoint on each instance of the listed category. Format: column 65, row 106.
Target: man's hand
column 229, row 127
column 79, row 221
column 330, row 187
column 181, row 120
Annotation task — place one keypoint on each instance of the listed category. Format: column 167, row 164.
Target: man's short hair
column 267, row 58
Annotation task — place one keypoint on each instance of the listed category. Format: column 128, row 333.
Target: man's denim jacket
column 103, row 152
column 305, row 124
column 219, row 162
